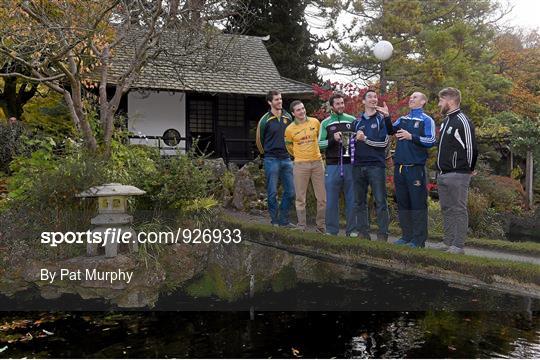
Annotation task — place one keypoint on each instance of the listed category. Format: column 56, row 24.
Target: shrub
column 178, row 182
column 42, row 198
column 435, row 219
column 11, row 145
column 43, row 188
column 503, row 193
column 483, row 220
column 48, row 116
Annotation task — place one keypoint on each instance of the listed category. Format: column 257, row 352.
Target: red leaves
column 353, row 99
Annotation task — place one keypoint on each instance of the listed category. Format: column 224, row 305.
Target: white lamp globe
column 383, row 50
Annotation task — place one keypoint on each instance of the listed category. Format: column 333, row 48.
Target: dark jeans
column 279, row 170
column 375, row 177
column 411, row 196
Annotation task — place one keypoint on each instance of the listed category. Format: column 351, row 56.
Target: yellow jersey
column 301, row 140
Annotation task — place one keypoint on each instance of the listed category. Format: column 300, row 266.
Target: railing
column 226, row 151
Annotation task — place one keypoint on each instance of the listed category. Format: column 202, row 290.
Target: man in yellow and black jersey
column 301, row 139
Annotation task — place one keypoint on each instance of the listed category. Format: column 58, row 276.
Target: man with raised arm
column 415, row 133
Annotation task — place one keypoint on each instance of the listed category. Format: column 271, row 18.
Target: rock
column 233, row 167
column 216, row 166
column 137, row 298
column 51, row 292
column 254, row 167
column 227, row 201
column 176, row 265
column 244, row 188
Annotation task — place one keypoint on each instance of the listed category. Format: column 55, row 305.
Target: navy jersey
column 422, row 129
column 371, row 152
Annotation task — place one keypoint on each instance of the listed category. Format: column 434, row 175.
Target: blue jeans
column 279, row 170
column 334, row 184
column 411, row 198
column 374, row 176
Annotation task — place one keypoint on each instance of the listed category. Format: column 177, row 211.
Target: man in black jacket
column 456, row 161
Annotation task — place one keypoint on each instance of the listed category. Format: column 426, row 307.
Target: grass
column 523, row 248
column 427, row 260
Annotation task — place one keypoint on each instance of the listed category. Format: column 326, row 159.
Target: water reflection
column 290, row 306
column 271, row 334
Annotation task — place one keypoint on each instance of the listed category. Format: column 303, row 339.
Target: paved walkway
column 486, row 253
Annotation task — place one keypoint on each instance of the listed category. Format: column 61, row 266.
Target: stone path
column 486, row 253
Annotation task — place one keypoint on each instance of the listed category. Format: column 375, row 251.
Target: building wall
column 150, row 113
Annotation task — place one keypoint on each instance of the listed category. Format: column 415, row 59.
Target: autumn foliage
column 353, row 95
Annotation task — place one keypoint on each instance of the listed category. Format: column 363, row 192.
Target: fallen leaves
column 16, row 324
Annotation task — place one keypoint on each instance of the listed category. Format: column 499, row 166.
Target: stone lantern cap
column 112, row 189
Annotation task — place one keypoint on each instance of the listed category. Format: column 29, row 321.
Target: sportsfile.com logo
column 117, row 236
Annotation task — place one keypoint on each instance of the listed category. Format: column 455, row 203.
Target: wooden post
column 529, row 178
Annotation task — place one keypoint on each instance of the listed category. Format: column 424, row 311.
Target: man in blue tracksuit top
column 369, row 167
column 416, row 134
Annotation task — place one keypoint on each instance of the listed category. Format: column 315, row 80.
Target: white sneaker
column 455, row 250
column 353, row 234
column 439, row 246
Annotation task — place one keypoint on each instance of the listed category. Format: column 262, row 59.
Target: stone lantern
column 112, row 214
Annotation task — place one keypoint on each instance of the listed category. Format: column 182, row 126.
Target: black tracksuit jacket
column 458, row 150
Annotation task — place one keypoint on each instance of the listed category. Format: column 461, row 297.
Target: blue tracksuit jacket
column 422, row 128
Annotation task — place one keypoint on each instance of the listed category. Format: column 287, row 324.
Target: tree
column 14, row 94
column 517, row 58
column 69, row 46
column 291, row 45
column 521, row 134
column 436, row 44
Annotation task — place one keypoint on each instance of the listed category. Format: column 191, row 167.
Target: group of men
column 355, row 154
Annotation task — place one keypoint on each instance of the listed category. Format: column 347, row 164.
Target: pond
column 341, row 312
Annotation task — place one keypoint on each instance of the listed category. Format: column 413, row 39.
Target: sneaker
column 439, row 246
column 382, row 237
column 320, row 230
column 330, row 234
column 289, row 226
column 413, row 245
column 353, row 234
column 401, row 242
column 455, row 250
column 275, row 225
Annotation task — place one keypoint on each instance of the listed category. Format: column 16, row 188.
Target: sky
column 525, row 14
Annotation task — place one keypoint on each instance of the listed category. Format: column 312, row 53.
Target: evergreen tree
column 436, row 43
column 291, row 45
